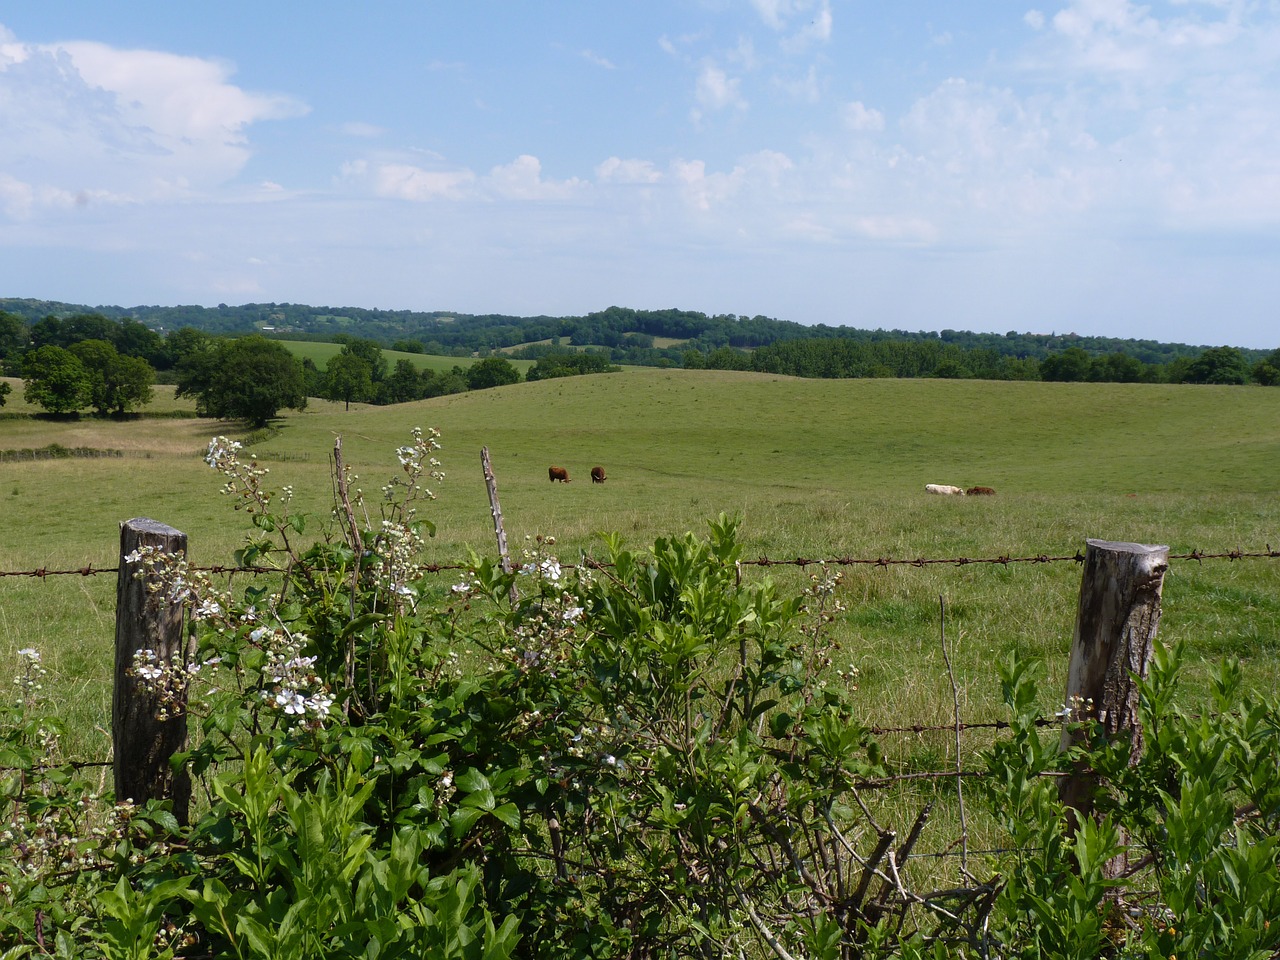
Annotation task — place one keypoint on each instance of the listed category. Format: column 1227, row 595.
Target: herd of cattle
column 947, row 490
column 561, row 475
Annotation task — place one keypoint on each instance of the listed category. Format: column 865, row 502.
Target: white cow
column 945, row 489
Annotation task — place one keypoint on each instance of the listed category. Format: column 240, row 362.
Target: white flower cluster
column 244, row 480
column 418, row 462
column 167, row 681
column 170, row 578
column 30, row 679
column 295, row 689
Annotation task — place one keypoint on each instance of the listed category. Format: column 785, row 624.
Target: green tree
column 403, row 384
column 1267, row 370
column 1218, row 365
column 4, row 392
column 492, row 372
column 348, row 377
column 250, row 378
column 117, row 383
column 14, row 339
column 370, row 351
column 1071, row 365
column 55, row 380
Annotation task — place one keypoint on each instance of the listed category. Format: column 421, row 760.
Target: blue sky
column 1091, row 166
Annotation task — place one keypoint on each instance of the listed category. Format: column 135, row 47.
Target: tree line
column 94, row 361
column 626, row 336
column 89, row 360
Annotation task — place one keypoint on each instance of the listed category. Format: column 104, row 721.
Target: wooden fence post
column 143, row 743
column 1116, row 623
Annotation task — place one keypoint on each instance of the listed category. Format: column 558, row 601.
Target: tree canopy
column 250, row 378
column 55, row 380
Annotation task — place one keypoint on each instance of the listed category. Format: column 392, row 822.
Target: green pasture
column 321, row 353
column 816, row 469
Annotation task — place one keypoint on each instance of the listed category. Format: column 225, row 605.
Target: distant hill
column 641, row 337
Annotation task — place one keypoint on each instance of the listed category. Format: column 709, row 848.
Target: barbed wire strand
column 1198, row 556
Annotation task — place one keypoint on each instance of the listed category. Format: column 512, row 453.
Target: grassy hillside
column 321, row 353
column 815, row 468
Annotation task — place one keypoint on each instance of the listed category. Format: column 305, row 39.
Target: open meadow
column 815, row 469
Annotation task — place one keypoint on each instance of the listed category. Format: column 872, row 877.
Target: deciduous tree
column 55, row 380
column 249, row 378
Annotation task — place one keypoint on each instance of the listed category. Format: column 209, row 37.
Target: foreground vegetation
column 652, row 757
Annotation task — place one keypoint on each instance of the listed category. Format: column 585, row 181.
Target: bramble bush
column 636, row 755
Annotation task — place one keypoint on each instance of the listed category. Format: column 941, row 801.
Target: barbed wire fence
column 89, row 570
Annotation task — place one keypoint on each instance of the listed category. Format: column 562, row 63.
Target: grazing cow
column 945, row 489
column 597, row 475
column 980, row 492
column 558, row 473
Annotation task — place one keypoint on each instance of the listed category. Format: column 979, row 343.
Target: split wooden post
column 1115, row 630
column 491, row 484
column 143, row 743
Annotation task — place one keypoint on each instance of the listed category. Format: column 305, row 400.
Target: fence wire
column 89, row 570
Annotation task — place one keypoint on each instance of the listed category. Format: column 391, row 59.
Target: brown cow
column 597, row 475
column 558, row 473
column 980, row 492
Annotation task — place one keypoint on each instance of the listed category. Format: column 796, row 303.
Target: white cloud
column 599, row 61
column 406, row 181
column 522, row 180
column 358, row 128
column 716, row 90
column 98, row 122
column 616, row 170
column 860, row 118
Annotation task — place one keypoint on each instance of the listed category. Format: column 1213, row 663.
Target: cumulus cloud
column 522, row 180
column 716, row 91
column 813, row 16
column 860, row 118
column 617, row 170
column 99, row 122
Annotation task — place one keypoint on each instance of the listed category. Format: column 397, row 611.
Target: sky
column 1098, row 167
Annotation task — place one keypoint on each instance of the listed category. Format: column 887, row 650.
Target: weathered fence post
column 491, row 484
column 1116, row 623
column 147, row 621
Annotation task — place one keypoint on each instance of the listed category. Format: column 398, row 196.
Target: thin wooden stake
column 491, row 484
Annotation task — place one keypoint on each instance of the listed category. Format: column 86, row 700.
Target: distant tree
column 14, row 338
column 1218, row 365
column 1071, row 365
column 409, row 346
column 694, row 360
column 370, row 351
column 250, row 378
column 4, row 392
column 403, row 384
column 134, row 339
column 492, row 372
column 443, row 384
column 1267, row 370
column 347, row 377
column 55, row 380
column 1116, row 368
column 185, row 343
column 951, row 369
column 117, row 383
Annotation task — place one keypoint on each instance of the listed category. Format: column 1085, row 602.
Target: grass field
column 814, row 468
column 321, row 353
